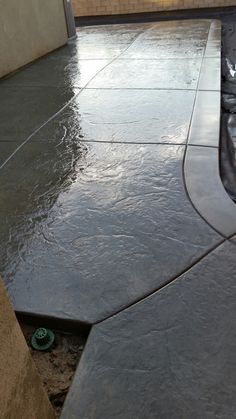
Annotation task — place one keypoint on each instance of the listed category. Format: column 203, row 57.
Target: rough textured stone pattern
column 169, row 356
column 97, row 115
column 111, row 227
column 99, row 213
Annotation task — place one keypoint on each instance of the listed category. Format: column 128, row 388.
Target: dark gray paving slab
column 60, row 71
column 206, row 190
column 169, row 356
column 95, row 227
column 167, row 74
column 205, row 125
column 23, row 110
column 142, row 116
column 6, row 149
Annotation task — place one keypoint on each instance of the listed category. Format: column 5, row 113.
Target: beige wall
column 28, row 30
column 109, row 7
column 21, row 392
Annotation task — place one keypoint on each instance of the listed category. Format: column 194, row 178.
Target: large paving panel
column 95, row 227
column 177, row 39
column 136, row 116
column 178, row 31
column 154, row 74
column 24, row 109
column 169, row 356
column 108, row 41
column 59, row 71
column 180, row 49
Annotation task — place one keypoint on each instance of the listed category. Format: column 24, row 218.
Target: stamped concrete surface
column 169, row 356
column 94, row 208
column 98, row 223
column 101, row 232
column 125, row 116
column 172, row 354
column 21, row 108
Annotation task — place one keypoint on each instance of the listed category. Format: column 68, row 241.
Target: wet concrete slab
column 95, row 222
column 97, row 225
column 6, row 150
column 150, row 74
column 144, row 117
column 59, row 71
column 170, row 356
column 178, row 49
column 99, row 216
column 168, row 40
column 25, row 109
column 108, row 41
column 173, row 31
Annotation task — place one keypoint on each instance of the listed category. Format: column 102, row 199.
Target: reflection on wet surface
column 105, row 233
column 108, row 41
column 58, row 72
column 93, row 225
column 30, row 185
column 155, row 74
column 124, row 116
column 174, row 40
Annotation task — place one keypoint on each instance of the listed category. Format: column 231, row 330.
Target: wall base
column 116, row 7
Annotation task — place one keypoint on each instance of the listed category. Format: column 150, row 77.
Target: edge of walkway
column 201, row 166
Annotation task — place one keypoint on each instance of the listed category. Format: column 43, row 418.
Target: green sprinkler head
column 42, row 339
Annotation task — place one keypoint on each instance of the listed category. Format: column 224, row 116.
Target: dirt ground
column 57, row 367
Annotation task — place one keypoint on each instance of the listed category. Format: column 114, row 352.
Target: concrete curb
column 201, row 167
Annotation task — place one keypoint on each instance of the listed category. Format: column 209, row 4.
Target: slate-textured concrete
column 110, row 231
column 172, row 355
column 99, row 226
column 169, row 356
column 99, row 217
column 97, row 115
column 21, row 108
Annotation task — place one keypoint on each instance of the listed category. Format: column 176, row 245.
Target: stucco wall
column 110, row 7
column 21, row 392
column 28, row 30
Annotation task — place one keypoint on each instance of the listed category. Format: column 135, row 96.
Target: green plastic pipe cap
column 42, row 339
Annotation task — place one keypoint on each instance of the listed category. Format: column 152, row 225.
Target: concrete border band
column 201, row 167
